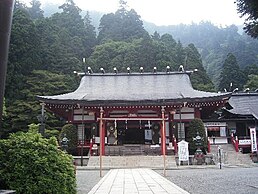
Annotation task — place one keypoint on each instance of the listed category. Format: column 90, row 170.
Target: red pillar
column 197, row 113
column 103, row 137
column 101, row 133
column 163, row 133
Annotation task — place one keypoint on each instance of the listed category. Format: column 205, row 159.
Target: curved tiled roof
column 244, row 104
column 145, row 87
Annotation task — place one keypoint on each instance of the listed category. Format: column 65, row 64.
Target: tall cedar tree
column 231, row 76
column 249, row 8
column 124, row 25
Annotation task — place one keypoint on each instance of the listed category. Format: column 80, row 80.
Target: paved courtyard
column 197, row 181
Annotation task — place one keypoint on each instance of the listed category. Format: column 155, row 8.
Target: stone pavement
column 130, row 181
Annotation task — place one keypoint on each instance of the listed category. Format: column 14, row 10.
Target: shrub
column 31, row 164
column 34, row 128
column 71, row 133
column 196, row 125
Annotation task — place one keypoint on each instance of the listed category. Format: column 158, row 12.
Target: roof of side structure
column 244, row 104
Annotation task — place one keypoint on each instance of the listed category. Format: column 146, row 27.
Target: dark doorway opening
column 130, row 132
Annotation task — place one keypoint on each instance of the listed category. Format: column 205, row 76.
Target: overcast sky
column 169, row 12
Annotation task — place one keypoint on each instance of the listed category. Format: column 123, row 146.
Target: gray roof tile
column 244, row 104
column 134, row 88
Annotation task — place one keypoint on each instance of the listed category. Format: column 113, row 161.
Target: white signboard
column 217, row 124
column 148, row 135
column 183, row 153
column 244, row 142
column 222, row 131
column 253, row 140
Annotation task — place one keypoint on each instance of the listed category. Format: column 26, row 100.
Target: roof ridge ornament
column 181, row 68
column 78, row 73
column 247, row 90
column 102, row 70
column 128, row 70
column 115, row 70
column 168, row 69
column 155, row 69
column 90, row 70
column 141, row 70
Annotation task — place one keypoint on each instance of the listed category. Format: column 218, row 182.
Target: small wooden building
column 241, row 114
column 134, row 108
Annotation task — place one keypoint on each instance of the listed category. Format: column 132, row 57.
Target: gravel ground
column 209, row 181
column 196, row 181
column 87, row 179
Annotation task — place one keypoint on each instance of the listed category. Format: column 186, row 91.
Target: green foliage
column 4, row 108
column 200, row 79
column 35, row 11
column 251, row 70
column 252, row 82
column 33, row 128
column 249, row 9
column 49, row 133
column 195, row 126
column 70, row 132
column 31, row 164
column 213, row 43
column 231, row 76
column 24, row 55
column 123, row 25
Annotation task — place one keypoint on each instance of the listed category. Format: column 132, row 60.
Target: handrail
column 235, row 142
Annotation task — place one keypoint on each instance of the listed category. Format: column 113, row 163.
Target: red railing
column 82, row 144
column 234, row 141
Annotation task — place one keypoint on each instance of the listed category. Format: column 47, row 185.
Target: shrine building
column 134, row 108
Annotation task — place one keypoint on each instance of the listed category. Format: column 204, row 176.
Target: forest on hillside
column 45, row 51
column 213, row 42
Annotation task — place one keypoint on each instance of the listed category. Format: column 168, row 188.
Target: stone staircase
column 230, row 156
column 132, row 162
column 134, row 149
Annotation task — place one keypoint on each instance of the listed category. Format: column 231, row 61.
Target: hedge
column 31, row 164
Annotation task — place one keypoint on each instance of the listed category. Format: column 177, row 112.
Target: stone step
column 230, row 156
column 132, row 161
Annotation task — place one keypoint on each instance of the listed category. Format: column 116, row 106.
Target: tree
column 252, row 82
column 22, row 112
column 195, row 126
column 123, row 25
column 200, row 80
column 90, row 39
column 251, row 70
column 24, row 54
column 155, row 36
column 32, row 164
column 231, row 75
column 70, row 132
column 35, row 11
column 249, row 8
